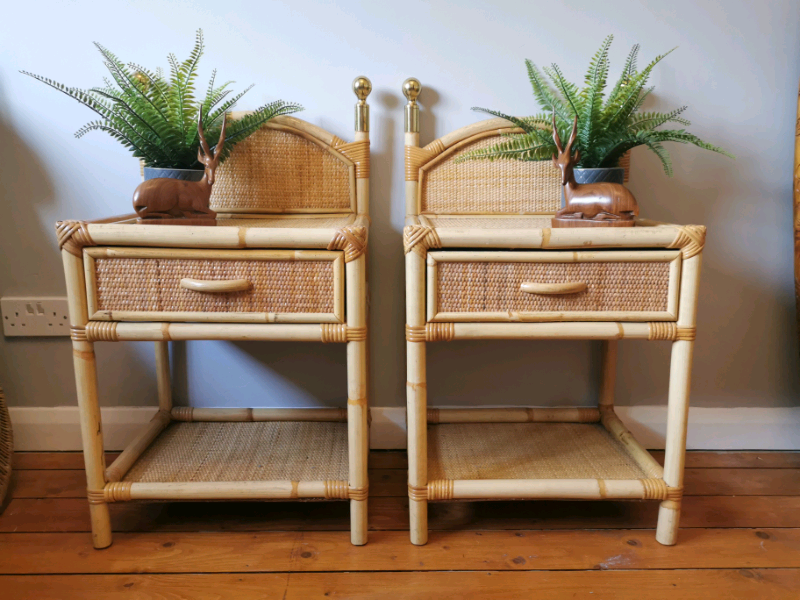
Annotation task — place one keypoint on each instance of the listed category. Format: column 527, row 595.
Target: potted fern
column 609, row 126
column 156, row 117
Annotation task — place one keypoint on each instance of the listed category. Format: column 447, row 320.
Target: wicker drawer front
column 553, row 286
column 132, row 284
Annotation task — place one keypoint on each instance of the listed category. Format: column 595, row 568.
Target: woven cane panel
column 490, row 222
column 482, row 186
column 324, row 222
column 264, row 451
column 527, row 451
column 494, row 286
column 274, row 170
column 153, row 284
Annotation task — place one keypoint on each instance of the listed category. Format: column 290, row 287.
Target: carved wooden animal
column 164, row 198
column 589, row 204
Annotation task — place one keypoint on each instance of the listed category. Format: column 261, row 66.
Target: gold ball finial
column 411, row 89
column 362, row 86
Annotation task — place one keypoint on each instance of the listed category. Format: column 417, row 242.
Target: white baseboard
column 58, row 429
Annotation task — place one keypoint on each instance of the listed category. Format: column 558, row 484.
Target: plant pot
column 613, row 175
column 182, row 174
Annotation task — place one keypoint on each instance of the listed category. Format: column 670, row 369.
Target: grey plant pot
column 182, row 174
column 613, row 175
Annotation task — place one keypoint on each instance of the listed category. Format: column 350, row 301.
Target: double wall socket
column 35, row 316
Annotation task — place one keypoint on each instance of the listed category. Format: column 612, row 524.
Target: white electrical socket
column 35, row 316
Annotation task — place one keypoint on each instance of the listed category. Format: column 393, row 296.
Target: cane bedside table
column 286, row 261
column 482, row 262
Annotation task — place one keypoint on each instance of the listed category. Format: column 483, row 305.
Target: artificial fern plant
column 156, row 117
column 608, row 125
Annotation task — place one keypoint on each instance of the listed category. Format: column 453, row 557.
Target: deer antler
column 572, row 135
column 203, row 144
column 221, row 141
column 557, row 139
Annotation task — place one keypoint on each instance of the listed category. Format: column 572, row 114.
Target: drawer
column 553, row 286
column 253, row 286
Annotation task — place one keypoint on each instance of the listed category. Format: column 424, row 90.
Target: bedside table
column 286, row 261
column 482, row 262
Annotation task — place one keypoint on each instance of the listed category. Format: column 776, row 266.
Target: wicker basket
column 6, row 448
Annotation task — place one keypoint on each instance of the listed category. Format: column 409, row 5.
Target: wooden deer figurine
column 601, row 204
column 173, row 201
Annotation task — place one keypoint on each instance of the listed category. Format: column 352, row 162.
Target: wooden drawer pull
column 570, row 287
column 216, row 286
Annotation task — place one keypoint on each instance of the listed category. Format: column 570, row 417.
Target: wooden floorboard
column 241, row 552
column 731, row 584
column 71, row 483
column 71, row 515
column 740, row 538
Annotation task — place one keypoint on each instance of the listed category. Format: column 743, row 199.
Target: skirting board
column 58, row 429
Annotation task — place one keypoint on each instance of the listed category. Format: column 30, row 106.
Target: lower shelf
column 240, row 460
column 264, row 451
column 527, row 451
column 536, row 460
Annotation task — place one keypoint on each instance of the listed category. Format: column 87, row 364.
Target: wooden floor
column 740, row 539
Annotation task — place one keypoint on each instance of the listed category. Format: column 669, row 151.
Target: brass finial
column 411, row 89
column 362, row 86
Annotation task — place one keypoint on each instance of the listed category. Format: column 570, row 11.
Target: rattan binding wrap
column 671, row 332
column 416, row 157
column 73, row 236
column 419, row 239
column 690, row 239
column 245, row 451
column 153, row 284
column 527, row 451
column 101, row 331
column 357, row 152
column 430, row 332
column 495, row 286
column 280, row 169
column 351, row 239
column 340, row 333
column 6, row 447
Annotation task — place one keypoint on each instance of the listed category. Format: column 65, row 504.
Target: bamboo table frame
column 423, row 233
column 78, row 239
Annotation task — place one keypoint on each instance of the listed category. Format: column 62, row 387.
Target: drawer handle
column 553, row 289
column 216, row 286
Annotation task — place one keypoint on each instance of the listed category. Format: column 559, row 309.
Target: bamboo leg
column 357, row 406
column 608, row 374
column 678, row 408
column 677, row 416
column 88, row 407
column 416, row 392
column 416, row 381
column 163, row 376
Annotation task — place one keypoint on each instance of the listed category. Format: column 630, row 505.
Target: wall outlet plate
column 35, row 316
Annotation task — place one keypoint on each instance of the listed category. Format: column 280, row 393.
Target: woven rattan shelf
column 482, row 262
column 243, row 460
column 527, row 451
column 486, row 461
column 286, row 261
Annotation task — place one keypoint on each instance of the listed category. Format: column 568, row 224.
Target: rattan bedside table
column 286, row 261
column 482, row 262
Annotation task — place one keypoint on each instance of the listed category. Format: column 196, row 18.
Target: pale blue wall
column 737, row 67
